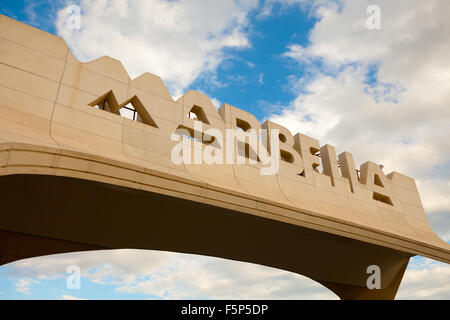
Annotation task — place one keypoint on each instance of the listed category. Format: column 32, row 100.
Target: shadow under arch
column 44, row 214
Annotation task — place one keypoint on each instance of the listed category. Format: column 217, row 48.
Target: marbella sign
column 232, row 136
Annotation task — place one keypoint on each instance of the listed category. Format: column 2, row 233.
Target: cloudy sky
column 312, row 66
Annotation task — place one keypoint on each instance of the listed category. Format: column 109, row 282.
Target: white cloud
column 23, row 285
column 95, row 265
column 425, row 279
column 216, row 102
column 169, row 275
column 204, row 277
column 261, row 78
column 177, row 40
column 398, row 116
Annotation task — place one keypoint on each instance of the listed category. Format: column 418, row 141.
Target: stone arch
column 67, row 214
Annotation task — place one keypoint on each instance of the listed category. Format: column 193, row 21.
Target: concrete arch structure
column 75, row 178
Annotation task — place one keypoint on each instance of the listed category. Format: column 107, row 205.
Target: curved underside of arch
column 50, row 214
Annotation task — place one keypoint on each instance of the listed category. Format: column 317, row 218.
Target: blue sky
column 256, row 78
column 312, row 66
column 253, row 78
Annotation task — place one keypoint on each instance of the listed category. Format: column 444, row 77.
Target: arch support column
column 349, row 292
